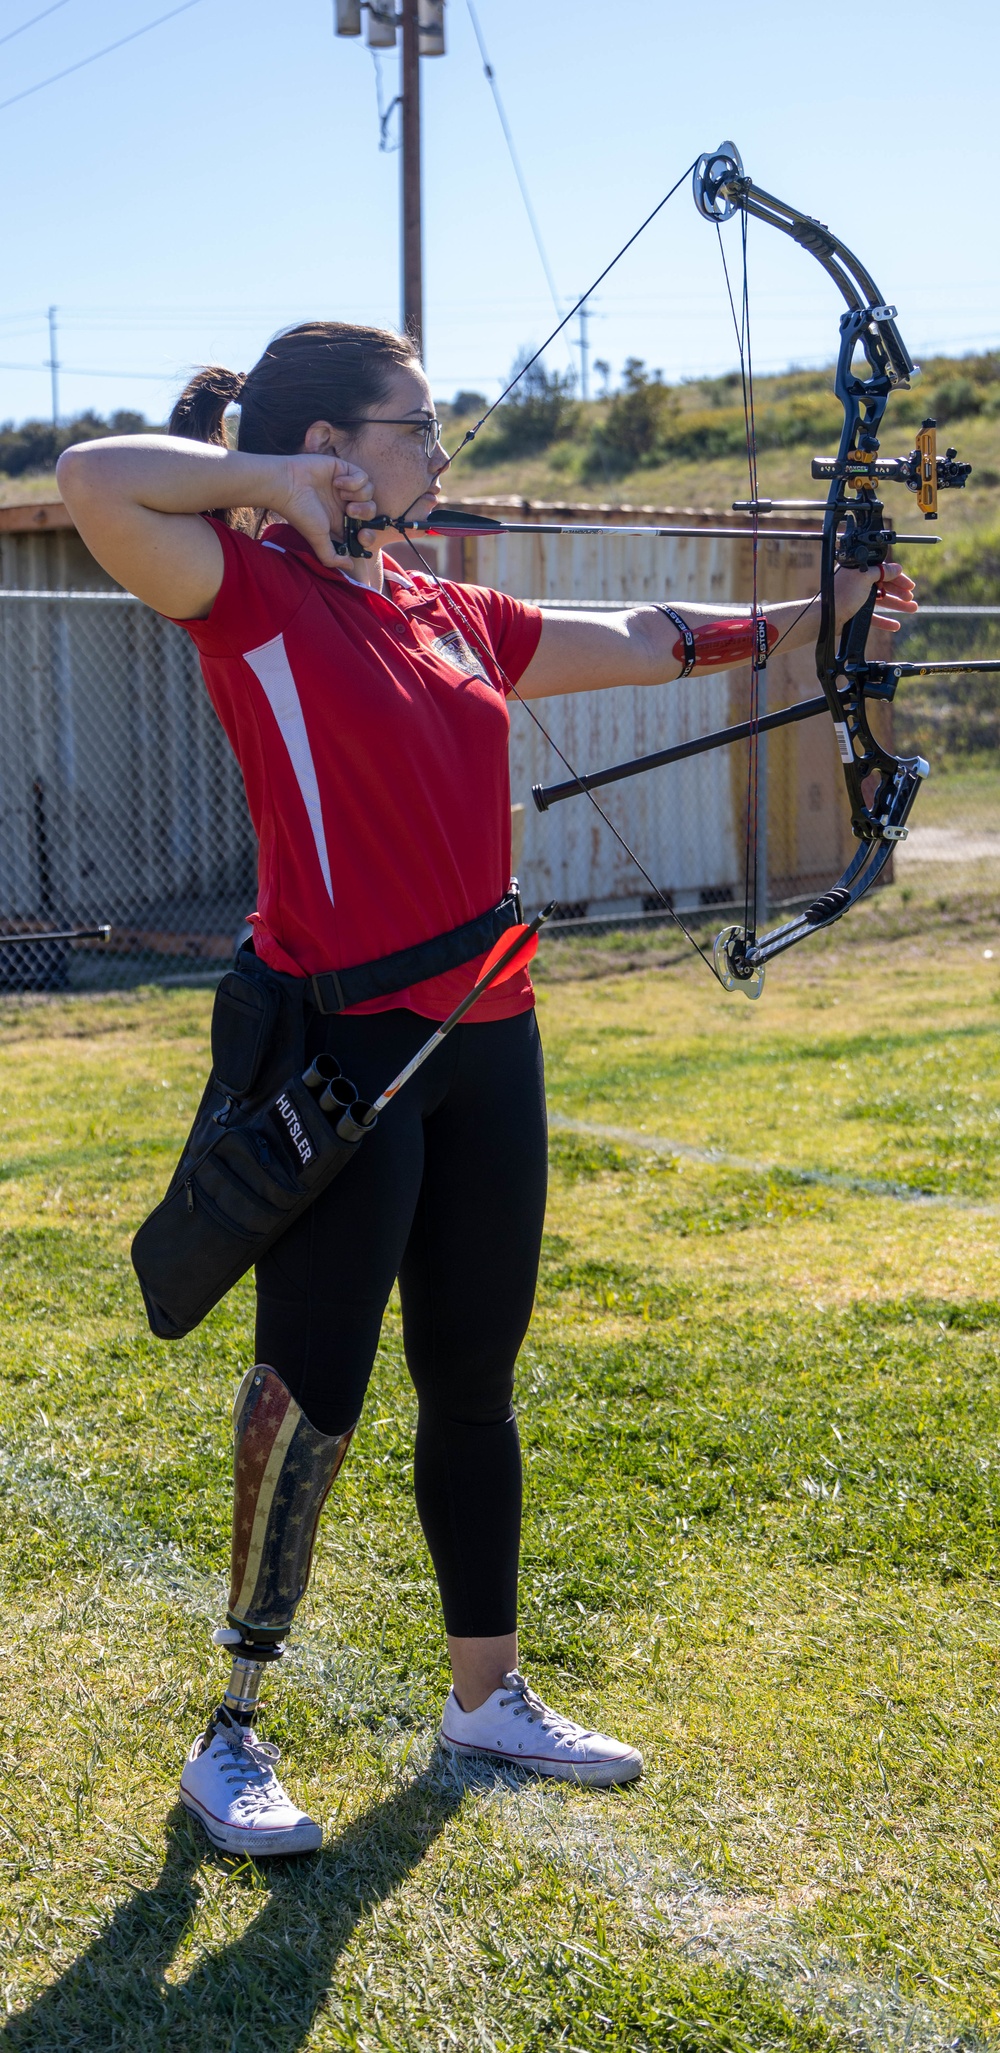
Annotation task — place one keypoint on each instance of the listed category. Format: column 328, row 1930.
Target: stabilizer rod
column 545, row 795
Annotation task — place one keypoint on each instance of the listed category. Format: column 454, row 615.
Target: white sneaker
column 515, row 1726
column 229, row 1783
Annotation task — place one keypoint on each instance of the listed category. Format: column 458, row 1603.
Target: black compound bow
column 881, row 787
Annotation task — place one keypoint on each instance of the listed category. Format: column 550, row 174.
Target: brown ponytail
column 199, row 410
column 319, row 371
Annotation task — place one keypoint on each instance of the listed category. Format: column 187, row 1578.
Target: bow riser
column 855, row 537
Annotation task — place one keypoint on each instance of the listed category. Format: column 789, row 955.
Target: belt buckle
column 319, row 998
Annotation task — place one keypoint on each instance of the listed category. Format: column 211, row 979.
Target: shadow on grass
column 262, row 1990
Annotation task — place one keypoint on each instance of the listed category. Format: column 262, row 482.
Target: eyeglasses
column 428, row 422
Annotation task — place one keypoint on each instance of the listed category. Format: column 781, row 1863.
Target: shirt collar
column 406, row 590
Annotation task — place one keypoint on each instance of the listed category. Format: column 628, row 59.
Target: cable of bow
column 759, row 650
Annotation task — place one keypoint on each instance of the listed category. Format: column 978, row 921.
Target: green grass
column 760, row 1409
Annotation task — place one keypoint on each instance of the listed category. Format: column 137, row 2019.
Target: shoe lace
column 530, row 1705
column 252, row 1770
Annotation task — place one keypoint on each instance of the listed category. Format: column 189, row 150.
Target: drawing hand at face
column 316, row 494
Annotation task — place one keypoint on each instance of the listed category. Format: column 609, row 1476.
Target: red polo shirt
column 373, row 739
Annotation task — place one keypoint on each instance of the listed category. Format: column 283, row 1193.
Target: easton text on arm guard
column 721, row 644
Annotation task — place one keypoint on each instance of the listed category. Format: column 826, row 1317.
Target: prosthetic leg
column 283, row 1470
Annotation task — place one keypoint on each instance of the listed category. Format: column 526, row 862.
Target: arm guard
column 721, row 644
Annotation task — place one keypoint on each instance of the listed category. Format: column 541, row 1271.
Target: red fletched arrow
column 519, row 959
column 514, row 948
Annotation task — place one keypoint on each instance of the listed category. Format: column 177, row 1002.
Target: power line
column 11, row 33
column 515, row 160
column 78, row 371
column 95, row 54
column 54, row 365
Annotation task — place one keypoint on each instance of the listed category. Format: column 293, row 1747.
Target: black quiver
column 267, row 1138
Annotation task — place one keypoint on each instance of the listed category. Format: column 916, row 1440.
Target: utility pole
column 54, row 366
column 584, row 348
column 422, row 24
column 409, row 195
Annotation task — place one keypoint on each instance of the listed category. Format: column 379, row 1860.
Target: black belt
column 333, row 990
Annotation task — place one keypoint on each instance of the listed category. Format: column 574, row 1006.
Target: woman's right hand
column 137, row 502
column 315, row 493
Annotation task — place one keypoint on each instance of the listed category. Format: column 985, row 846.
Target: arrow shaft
column 538, row 527
column 78, row 934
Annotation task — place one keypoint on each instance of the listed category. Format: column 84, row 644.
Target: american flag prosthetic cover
column 283, row 1469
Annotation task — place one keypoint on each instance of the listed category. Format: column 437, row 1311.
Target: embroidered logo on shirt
column 456, row 650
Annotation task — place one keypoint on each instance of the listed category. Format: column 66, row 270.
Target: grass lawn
column 759, row 1404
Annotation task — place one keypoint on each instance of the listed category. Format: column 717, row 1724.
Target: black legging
column 448, row 1194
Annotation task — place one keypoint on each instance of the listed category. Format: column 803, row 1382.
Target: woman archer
column 366, row 705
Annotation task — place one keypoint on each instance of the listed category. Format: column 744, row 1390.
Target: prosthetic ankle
column 283, row 1471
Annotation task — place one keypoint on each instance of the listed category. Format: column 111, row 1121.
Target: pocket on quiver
column 257, row 1155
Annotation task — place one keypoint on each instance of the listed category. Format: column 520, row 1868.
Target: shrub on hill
column 540, row 409
column 635, row 423
column 36, row 445
column 954, row 390
column 465, row 403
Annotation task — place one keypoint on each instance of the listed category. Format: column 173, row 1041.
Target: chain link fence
column 120, row 800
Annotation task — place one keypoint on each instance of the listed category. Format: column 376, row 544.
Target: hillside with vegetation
column 651, row 443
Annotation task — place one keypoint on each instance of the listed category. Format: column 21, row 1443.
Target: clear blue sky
column 220, row 177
